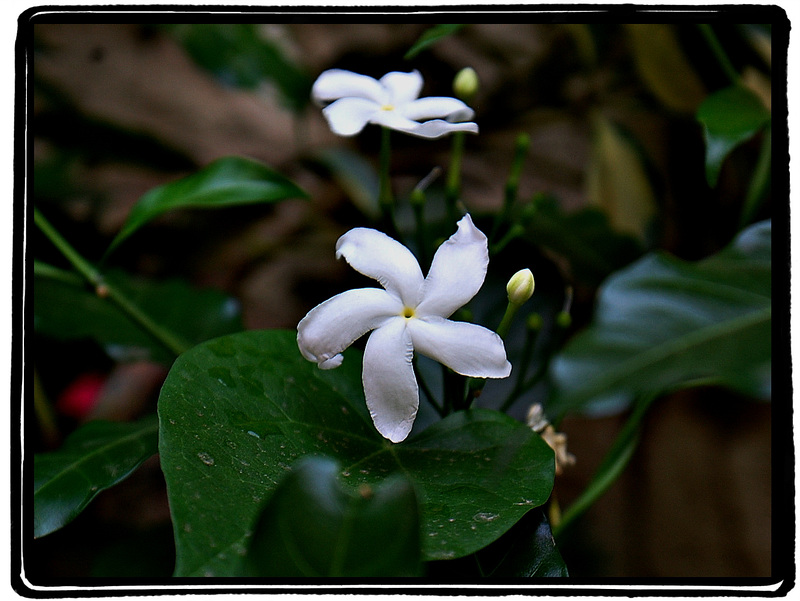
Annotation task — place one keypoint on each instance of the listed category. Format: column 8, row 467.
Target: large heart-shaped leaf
column 664, row 323
column 96, row 456
column 229, row 181
column 312, row 526
column 729, row 117
column 238, row 411
column 66, row 309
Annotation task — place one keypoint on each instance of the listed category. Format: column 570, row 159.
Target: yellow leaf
column 664, row 68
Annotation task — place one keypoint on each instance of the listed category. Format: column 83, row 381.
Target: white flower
column 392, row 102
column 409, row 314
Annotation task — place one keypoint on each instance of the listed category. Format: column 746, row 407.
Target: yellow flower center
column 408, row 312
column 387, row 107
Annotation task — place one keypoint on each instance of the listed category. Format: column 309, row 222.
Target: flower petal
column 402, row 88
column 389, row 383
column 429, row 129
column 437, row 107
column 332, row 326
column 438, row 128
column 466, row 348
column 378, row 256
column 348, row 116
column 338, row 83
column 457, row 271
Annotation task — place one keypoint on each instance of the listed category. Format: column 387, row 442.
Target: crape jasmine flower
column 410, row 313
column 391, row 101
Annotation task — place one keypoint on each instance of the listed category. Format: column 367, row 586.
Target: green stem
column 527, row 353
column 44, row 413
column 418, row 205
column 427, row 391
column 453, row 186
column 385, row 197
column 51, row 272
column 170, row 341
column 719, row 52
column 760, row 182
column 475, row 385
column 512, row 184
column 611, row 467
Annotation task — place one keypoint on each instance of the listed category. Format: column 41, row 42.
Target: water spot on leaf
column 206, row 458
column 484, row 517
column 251, row 433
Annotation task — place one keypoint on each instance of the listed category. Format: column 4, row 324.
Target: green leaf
column 430, row 37
column 729, row 117
column 241, row 54
column 312, row 526
column 527, row 551
column 584, row 237
column 93, row 458
column 618, row 181
column 64, row 308
column 237, row 412
column 356, row 176
column 664, row 323
column 226, row 182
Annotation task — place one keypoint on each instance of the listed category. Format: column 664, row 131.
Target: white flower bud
column 520, row 287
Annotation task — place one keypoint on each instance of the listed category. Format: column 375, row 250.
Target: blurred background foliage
column 619, row 119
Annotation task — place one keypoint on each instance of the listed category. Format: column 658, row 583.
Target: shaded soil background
column 131, row 110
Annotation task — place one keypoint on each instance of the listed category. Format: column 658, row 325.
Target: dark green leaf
column 93, row 458
column 312, row 526
column 238, row 411
column 430, row 37
column 665, row 323
column 729, row 117
column 240, row 54
column 229, row 181
column 65, row 309
column 356, row 176
column 528, row 550
column 584, row 237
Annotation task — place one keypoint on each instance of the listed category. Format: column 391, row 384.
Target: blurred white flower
column 392, row 102
column 409, row 314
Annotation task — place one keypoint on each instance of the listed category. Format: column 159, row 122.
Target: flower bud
column 465, row 84
column 520, row 287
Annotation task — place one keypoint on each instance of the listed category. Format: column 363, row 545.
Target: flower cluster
column 410, row 312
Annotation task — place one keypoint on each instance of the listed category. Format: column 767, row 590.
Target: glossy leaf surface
column 66, row 310
column 312, row 526
column 237, row 412
column 93, row 458
column 729, row 117
column 229, row 181
column 665, row 323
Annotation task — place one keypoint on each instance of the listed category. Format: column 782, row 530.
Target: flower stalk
column 105, row 289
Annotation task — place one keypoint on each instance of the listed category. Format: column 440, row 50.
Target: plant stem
column 719, row 52
column 760, row 182
column 44, row 413
column 512, row 184
column 611, row 467
column 385, row 197
column 104, row 289
column 427, row 391
column 453, row 186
